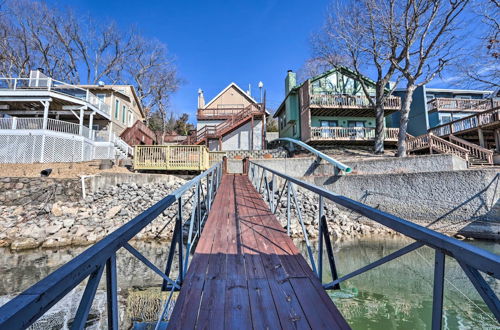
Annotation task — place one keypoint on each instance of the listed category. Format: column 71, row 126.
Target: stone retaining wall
column 21, row 191
column 255, row 154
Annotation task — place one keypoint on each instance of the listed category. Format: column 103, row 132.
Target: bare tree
column 430, row 44
column 153, row 72
column 482, row 70
column 360, row 32
column 81, row 51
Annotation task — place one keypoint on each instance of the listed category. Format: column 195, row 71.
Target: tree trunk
column 379, row 129
column 403, row 122
column 379, row 120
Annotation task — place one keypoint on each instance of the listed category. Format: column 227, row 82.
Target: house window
column 445, row 119
column 117, row 109
column 124, row 114
column 355, row 123
column 294, row 129
column 130, row 118
column 328, row 123
column 101, row 97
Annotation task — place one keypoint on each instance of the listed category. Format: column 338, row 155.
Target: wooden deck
column 247, row 273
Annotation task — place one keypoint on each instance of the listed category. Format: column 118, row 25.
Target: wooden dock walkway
column 246, row 272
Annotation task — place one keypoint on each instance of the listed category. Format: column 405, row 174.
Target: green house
column 331, row 108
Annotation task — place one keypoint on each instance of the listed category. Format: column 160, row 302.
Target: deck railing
column 60, row 126
column 214, row 131
column 24, row 309
column 352, row 101
column 470, row 122
column 175, row 157
column 452, row 104
column 350, row 134
column 52, row 85
column 471, row 259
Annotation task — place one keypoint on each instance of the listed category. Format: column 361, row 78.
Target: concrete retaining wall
column 427, row 163
column 300, row 167
column 103, row 180
column 451, row 201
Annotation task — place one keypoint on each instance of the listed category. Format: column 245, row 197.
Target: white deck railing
column 54, row 125
column 52, row 85
column 350, row 133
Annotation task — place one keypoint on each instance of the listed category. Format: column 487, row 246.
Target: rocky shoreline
column 59, row 224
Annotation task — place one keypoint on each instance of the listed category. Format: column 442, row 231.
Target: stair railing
column 435, row 143
column 474, row 150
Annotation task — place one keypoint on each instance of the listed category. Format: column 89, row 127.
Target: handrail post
column 320, row 236
column 112, row 293
column 179, row 241
column 288, row 208
column 437, row 297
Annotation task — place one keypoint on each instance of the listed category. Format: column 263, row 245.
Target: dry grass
column 59, row 170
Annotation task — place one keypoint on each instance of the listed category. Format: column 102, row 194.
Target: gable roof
column 226, row 89
column 344, row 70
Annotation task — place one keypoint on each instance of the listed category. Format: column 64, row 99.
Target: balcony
column 318, row 134
column 35, row 86
column 224, row 113
column 342, row 101
column 461, row 105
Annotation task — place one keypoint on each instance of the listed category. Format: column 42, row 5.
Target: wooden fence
column 175, row 158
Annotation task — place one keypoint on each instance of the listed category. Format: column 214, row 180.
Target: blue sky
column 216, row 42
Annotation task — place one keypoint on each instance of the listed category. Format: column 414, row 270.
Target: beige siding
column 232, row 96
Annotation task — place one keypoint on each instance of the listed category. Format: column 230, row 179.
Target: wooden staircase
column 218, row 131
column 472, row 153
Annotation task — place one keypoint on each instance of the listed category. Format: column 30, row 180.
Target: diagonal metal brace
column 483, row 288
column 392, row 256
column 148, row 263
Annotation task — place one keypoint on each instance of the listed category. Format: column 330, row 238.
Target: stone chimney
column 290, row 81
column 201, row 99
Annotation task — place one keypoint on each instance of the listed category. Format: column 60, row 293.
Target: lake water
column 397, row 295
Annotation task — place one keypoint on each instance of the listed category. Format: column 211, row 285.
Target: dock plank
column 246, row 273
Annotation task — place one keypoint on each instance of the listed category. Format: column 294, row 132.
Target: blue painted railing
column 27, row 307
column 471, row 259
column 334, row 162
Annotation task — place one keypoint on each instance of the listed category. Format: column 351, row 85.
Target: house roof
column 225, row 89
column 346, row 70
column 457, row 91
column 341, row 68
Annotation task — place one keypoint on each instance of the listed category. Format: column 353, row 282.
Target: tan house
column 232, row 120
column 125, row 106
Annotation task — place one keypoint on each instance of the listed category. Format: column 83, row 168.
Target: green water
column 398, row 295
